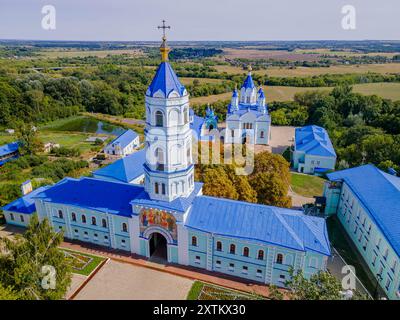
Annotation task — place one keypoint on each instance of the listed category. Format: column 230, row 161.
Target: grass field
column 306, row 185
column 205, row 291
column 305, row 72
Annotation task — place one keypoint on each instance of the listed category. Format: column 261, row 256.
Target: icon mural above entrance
column 158, row 218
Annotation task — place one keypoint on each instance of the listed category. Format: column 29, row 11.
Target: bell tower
column 169, row 170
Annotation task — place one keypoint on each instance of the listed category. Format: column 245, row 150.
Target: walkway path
column 178, row 270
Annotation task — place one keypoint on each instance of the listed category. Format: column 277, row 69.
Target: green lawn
column 205, row 291
column 306, row 185
column 82, row 263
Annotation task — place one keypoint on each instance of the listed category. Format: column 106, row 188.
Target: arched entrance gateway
column 158, row 247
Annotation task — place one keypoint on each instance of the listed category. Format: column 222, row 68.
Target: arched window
column 73, row 216
column 60, row 214
column 232, row 249
column 262, row 134
column 104, row 223
column 159, row 119
column 124, row 227
column 159, row 153
column 156, row 188
column 186, row 115
column 83, row 218
column 173, row 119
column 94, row 221
column 188, row 155
column 260, row 254
column 245, row 251
column 219, row 246
column 163, row 188
column 279, row 258
column 194, row 241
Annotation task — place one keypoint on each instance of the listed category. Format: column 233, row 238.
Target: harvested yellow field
column 305, row 72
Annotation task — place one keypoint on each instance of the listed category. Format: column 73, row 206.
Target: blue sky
column 200, row 19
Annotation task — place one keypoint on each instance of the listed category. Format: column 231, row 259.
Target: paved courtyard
column 123, row 281
column 281, row 138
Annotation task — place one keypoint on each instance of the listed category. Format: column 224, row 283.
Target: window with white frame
column 231, row 267
column 245, row 270
column 197, row 259
column 259, row 273
column 218, row 264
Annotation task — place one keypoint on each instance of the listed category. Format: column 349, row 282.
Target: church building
column 247, row 117
column 167, row 217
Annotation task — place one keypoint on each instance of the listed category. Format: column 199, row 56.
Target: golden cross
column 164, row 27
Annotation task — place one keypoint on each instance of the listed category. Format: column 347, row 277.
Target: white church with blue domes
column 168, row 217
column 247, row 116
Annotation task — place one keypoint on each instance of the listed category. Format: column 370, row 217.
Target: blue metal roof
column 379, row 193
column 25, row 204
column 125, row 139
column 314, row 140
column 265, row 224
column 125, row 169
column 8, row 148
column 244, row 108
column 180, row 204
column 196, row 124
column 165, row 80
column 261, row 93
column 95, row 194
column 248, row 82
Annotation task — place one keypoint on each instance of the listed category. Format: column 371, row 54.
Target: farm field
column 276, row 93
column 384, row 90
column 282, row 93
column 189, row 81
column 305, row 71
column 88, row 53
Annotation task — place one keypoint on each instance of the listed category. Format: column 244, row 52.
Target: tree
column 7, row 293
column 320, row 286
column 27, row 136
column 271, row 189
column 217, row 183
column 30, row 258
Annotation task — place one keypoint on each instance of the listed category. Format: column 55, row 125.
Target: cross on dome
column 164, row 48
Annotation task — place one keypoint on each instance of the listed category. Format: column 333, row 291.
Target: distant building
column 19, row 212
column 47, row 147
column 366, row 201
column 204, row 128
column 313, row 150
column 10, row 131
column 123, row 145
column 9, row 152
column 129, row 169
column 247, row 116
